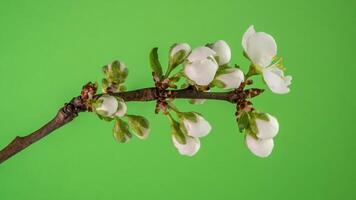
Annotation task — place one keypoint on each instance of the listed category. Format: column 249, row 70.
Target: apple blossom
column 259, row 147
column 261, row 48
column 183, row 47
column 190, row 148
column 201, row 66
column 267, row 129
column 195, row 125
column 108, row 106
column 230, row 78
column 223, row 52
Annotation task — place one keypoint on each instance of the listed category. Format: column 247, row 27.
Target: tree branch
column 71, row 110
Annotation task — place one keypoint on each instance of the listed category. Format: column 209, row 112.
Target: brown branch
column 70, row 110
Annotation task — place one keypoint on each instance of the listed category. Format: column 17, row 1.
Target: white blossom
column 198, row 128
column 259, row 147
column 109, row 105
column 261, row 48
column 231, row 78
column 223, row 52
column 190, row 148
column 201, row 66
column 267, row 129
column 180, row 47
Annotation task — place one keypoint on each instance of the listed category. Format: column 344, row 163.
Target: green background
column 49, row 49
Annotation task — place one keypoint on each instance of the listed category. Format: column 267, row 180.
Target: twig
column 71, row 110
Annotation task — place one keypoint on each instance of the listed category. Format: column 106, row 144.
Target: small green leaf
column 178, row 133
column 244, row 121
column 262, row 116
column 191, row 116
column 155, row 64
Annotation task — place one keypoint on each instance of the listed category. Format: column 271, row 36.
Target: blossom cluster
column 203, row 68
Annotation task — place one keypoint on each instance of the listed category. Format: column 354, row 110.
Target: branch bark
column 71, row 110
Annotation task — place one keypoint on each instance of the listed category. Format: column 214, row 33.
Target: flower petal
column 109, row 105
column 200, row 53
column 191, row 147
column 223, row 52
column 232, row 78
column 260, row 147
column 267, row 129
column 261, row 48
column 276, row 81
column 250, row 31
column 183, row 46
column 122, row 109
column 201, row 72
column 200, row 128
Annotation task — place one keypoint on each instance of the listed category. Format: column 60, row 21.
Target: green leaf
column 155, row 64
column 218, row 83
column 262, row 116
column 191, row 116
column 178, row 133
column 244, row 121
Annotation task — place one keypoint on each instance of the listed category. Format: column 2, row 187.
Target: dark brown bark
column 70, row 110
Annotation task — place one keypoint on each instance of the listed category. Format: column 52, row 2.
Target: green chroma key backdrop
column 48, row 50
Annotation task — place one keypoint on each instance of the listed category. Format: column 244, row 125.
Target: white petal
column 232, row 78
column 200, row 128
column 201, row 72
column 267, row 129
column 261, row 48
column 190, row 148
column 223, row 52
column 260, row 147
column 109, row 105
column 183, row 46
column 200, row 53
column 122, row 109
column 276, row 81
column 250, row 31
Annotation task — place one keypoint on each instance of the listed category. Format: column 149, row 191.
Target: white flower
column 267, row 129
column 259, row 147
column 223, row 52
column 190, row 148
column 201, row 66
column 261, row 48
column 180, row 47
column 276, row 81
column 196, row 128
column 231, row 78
column 109, row 105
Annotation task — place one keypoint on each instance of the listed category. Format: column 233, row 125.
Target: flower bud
column 201, row 66
column 179, row 52
column 194, row 124
column 140, row 125
column 121, row 131
column 107, row 106
column 223, row 52
column 190, row 148
column 260, row 147
column 267, row 126
column 230, row 78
